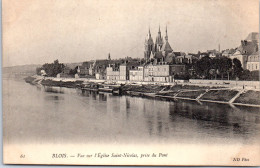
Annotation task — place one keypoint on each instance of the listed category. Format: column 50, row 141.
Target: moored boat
column 106, row 88
column 90, row 86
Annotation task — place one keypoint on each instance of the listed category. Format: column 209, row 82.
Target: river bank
column 163, row 91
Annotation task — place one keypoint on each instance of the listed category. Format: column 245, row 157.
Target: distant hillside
column 20, row 69
column 28, row 70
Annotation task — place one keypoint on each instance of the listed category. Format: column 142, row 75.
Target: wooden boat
column 106, row 88
column 90, row 86
column 117, row 90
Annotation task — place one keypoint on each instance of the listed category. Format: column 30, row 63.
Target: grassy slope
column 250, row 97
column 191, row 94
column 219, row 95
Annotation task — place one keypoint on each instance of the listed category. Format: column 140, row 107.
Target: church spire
column 149, row 45
column 166, row 36
column 159, row 41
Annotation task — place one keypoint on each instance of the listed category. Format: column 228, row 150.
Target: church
column 160, row 51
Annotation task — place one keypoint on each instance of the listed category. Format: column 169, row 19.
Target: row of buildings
column 160, row 63
column 247, row 52
column 161, row 72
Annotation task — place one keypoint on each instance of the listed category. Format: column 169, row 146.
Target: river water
column 62, row 115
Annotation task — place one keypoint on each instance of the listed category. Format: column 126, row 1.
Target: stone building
column 137, row 74
column 253, row 62
column 112, row 73
column 123, row 72
column 162, row 72
column 248, row 47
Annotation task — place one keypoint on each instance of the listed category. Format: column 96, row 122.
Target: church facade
column 158, row 51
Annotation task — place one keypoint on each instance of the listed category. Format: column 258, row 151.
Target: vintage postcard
column 131, row 82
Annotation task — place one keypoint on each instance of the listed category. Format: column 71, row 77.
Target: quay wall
column 247, row 97
column 250, row 85
column 228, row 83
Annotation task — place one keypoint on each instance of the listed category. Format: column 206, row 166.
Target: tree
column 53, row 69
column 215, row 66
column 203, row 66
column 237, row 68
column 245, row 75
column 73, row 71
column 225, row 66
column 254, row 75
column 38, row 70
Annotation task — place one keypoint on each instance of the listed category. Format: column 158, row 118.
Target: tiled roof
column 166, row 47
column 247, row 47
column 253, row 36
column 255, row 53
column 178, row 53
column 158, row 54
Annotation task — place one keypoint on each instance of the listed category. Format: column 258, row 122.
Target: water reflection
column 218, row 117
column 53, row 89
column 55, row 98
column 85, row 93
column 102, row 97
column 70, row 115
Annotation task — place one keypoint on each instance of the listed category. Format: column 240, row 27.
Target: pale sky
column 39, row 31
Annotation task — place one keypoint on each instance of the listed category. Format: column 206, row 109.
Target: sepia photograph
column 131, row 82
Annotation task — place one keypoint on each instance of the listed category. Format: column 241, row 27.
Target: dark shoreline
column 188, row 92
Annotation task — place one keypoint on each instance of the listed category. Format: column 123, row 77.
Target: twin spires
column 159, row 40
column 160, row 47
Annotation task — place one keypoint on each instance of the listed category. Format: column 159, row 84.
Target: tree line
column 51, row 69
column 205, row 68
column 219, row 68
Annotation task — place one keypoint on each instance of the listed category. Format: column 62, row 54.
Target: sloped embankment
column 29, row 79
column 249, row 97
column 142, row 88
column 191, row 94
column 219, row 95
column 69, row 84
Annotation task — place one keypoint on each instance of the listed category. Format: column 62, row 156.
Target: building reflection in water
column 190, row 119
column 94, row 117
column 102, row 97
column 85, row 93
column 53, row 89
column 94, row 95
column 167, row 119
column 221, row 118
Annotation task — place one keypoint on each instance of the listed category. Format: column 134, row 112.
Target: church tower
column 166, row 48
column 158, row 42
column 148, row 46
